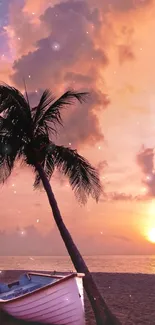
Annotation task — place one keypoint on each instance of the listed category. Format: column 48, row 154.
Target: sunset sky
column 106, row 48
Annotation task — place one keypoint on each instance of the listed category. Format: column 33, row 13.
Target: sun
column 151, row 235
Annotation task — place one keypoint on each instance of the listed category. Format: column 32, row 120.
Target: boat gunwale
column 61, row 279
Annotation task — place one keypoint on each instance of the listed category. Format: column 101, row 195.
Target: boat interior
column 27, row 283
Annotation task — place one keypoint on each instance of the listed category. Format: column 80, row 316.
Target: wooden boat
column 45, row 298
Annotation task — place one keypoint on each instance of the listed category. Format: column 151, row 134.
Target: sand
column 130, row 296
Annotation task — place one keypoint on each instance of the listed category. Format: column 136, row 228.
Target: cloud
column 50, row 57
column 29, row 241
column 122, row 238
column 36, row 7
column 5, row 69
column 23, row 30
column 123, row 6
column 125, row 53
column 102, row 165
column 81, row 125
column 145, row 160
column 119, row 196
column 59, row 62
column 57, row 54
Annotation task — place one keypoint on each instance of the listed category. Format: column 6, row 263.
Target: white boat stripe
column 27, row 296
column 60, row 319
column 51, row 312
column 40, row 310
column 40, row 304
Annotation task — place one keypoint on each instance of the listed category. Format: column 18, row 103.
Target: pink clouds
column 36, row 7
column 23, row 31
column 145, row 159
column 70, row 65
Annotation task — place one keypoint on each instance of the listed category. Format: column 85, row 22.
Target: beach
column 131, row 297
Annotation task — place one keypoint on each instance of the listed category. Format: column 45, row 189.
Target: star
column 148, row 178
column 144, row 189
column 56, row 46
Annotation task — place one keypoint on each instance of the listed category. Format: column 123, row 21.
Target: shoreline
column 130, row 296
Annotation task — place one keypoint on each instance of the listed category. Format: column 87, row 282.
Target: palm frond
column 15, row 124
column 26, row 134
column 83, row 178
column 45, row 100
column 48, row 166
column 10, row 96
column 8, row 154
column 3, row 123
column 5, row 169
column 26, row 93
column 12, row 140
column 47, row 163
column 52, row 113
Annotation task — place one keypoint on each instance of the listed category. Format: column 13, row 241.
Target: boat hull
column 62, row 303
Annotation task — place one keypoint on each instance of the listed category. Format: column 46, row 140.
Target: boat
column 45, row 298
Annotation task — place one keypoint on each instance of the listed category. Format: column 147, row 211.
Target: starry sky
column 106, row 48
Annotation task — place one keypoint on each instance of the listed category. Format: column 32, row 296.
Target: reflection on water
column 110, row 264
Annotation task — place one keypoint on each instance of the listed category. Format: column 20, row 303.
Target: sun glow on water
column 148, row 222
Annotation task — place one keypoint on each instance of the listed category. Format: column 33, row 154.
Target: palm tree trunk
column 102, row 313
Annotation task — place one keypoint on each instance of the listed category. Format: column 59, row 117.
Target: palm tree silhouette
column 26, row 133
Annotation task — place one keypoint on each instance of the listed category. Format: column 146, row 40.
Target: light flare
column 151, row 235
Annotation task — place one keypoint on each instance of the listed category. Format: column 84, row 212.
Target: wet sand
column 131, row 297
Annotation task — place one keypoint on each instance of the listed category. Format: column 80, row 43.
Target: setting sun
column 151, row 235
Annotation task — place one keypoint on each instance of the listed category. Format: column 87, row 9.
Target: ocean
column 108, row 264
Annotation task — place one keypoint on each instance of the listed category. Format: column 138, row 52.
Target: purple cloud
column 145, row 160
column 67, row 58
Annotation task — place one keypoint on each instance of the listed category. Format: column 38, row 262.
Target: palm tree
column 26, row 133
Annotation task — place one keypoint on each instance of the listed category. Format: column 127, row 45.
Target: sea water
column 111, row 263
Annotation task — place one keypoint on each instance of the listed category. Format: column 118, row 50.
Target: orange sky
column 108, row 50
